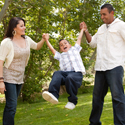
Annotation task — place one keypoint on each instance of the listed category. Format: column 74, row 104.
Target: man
column 110, row 43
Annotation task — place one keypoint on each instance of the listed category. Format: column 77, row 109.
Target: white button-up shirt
column 110, row 43
column 71, row 60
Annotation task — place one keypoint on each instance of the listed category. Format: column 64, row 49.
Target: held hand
column 45, row 36
column 83, row 26
column 2, row 87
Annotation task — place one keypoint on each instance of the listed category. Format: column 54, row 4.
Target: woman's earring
column 14, row 33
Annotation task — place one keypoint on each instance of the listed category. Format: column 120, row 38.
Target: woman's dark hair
column 12, row 24
column 108, row 6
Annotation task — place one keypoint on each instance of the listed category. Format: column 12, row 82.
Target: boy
column 70, row 74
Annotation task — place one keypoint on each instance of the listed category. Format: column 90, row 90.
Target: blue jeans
column 11, row 95
column 72, row 80
column 113, row 79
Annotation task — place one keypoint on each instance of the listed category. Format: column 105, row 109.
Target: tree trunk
column 5, row 7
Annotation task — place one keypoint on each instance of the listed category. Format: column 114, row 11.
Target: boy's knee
column 70, row 77
column 57, row 74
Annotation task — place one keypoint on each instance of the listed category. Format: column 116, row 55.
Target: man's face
column 106, row 16
column 64, row 45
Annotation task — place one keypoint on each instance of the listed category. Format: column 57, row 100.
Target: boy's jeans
column 72, row 80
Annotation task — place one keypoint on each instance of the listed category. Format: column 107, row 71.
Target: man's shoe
column 70, row 105
column 49, row 97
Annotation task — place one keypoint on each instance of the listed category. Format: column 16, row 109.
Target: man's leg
column 115, row 81
column 99, row 92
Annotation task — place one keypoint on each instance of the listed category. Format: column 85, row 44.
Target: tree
column 5, row 7
column 60, row 19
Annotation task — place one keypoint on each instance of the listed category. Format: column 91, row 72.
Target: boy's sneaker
column 70, row 105
column 49, row 97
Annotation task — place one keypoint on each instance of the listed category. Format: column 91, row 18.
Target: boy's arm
column 80, row 37
column 50, row 47
column 46, row 37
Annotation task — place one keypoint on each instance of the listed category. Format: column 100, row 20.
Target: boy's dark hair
column 108, row 6
column 63, row 39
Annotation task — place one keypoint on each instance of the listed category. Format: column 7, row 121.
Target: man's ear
column 112, row 12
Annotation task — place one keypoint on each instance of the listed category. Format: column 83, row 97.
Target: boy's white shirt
column 71, row 60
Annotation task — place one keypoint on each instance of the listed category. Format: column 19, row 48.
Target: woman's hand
column 2, row 87
column 45, row 36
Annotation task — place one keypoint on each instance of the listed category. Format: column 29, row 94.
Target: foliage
column 60, row 19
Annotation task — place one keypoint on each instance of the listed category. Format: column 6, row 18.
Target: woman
column 15, row 52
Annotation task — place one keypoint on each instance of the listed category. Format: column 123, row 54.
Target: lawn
column 44, row 113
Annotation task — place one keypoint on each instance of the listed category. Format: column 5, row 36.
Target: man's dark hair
column 108, row 6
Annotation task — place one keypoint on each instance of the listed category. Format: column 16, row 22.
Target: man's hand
column 83, row 26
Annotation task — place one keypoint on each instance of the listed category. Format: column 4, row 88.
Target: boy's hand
column 45, row 36
column 83, row 26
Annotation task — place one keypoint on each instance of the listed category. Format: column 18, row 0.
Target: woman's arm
column 2, row 86
column 40, row 44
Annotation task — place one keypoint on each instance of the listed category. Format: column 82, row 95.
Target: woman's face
column 20, row 28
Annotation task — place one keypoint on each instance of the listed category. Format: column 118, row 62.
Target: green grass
column 44, row 113
column 1, row 95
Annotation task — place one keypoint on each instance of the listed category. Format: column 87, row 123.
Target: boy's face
column 64, row 45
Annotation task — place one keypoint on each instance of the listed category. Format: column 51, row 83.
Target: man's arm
column 84, row 27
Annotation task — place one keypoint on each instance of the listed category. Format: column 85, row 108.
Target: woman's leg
column 11, row 95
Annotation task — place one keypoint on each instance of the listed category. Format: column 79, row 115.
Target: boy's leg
column 52, row 94
column 58, row 79
column 73, row 82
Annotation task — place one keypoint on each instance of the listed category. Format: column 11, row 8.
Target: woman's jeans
column 11, row 95
column 72, row 80
column 114, row 79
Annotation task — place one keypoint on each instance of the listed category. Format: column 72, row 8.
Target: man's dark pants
column 113, row 79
